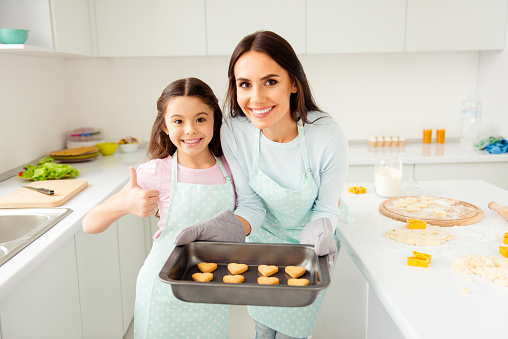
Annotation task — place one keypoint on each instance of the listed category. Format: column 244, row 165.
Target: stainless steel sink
column 19, row 227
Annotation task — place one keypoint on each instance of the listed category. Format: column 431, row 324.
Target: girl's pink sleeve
column 149, row 175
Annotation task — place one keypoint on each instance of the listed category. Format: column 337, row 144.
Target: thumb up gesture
column 139, row 202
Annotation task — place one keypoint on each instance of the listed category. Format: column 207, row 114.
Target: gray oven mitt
column 224, row 226
column 319, row 233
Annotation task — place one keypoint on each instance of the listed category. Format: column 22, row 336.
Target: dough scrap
column 431, row 236
column 401, row 203
column 439, row 213
column 413, row 208
column 488, row 267
column 464, row 290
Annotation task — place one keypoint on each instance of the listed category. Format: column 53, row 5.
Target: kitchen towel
column 499, row 147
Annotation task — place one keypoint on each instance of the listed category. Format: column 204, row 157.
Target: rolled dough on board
column 435, row 211
column 431, row 236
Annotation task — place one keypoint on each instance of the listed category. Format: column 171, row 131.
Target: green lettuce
column 47, row 169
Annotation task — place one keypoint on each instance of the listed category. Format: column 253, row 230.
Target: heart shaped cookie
column 298, row 282
column 207, row 267
column 267, row 270
column 233, row 279
column 268, row 280
column 295, row 271
column 202, row 277
column 237, row 268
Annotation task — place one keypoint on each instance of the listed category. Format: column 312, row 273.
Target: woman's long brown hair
column 277, row 48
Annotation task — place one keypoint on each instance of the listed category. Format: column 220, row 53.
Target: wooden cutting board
column 64, row 189
column 442, row 212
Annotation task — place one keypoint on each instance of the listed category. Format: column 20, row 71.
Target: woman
column 289, row 161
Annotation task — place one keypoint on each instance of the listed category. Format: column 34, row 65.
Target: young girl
column 187, row 168
column 289, row 160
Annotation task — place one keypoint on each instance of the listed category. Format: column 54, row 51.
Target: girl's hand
column 139, row 202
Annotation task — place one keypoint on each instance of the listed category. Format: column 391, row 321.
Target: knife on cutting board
column 41, row 190
column 63, row 191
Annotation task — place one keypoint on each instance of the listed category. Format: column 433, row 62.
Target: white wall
column 493, row 90
column 369, row 94
column 33, row 108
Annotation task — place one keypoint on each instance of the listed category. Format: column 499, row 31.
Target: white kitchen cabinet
column 108, row 266
column 228, row 21
column 364, row 26
column 46, row 304
column 150, row 28
column 455, row 25
column 100, row 284
column 61, row 26
column 132, row 252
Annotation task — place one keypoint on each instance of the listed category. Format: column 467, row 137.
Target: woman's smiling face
column 263, row 91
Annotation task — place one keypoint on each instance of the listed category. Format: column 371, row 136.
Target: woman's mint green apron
column 287, row 213
column 157, row 312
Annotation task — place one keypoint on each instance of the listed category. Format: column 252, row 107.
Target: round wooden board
column 458, row 213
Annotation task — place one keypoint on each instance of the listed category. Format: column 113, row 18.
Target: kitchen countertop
column 427, row 302
column 379, row 259
column 419, row 153
column 105, row 176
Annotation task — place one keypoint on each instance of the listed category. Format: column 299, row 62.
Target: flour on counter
column 464, row 290
column 431, row 236
column 492, row 268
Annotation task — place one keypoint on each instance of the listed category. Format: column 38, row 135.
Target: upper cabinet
column 150, row 27
column 136, row 28
column 61, row 26
column 455, row 25
column 228, row 21
column 360, row 26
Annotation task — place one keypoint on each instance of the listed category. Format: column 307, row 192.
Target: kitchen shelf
column 30, row 50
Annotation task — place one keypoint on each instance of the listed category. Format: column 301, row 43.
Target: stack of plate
column 78, row 154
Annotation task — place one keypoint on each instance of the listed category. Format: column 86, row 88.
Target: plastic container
column 469, row 116
column 388, row 175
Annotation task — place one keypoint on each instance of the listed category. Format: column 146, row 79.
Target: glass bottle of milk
column 388, row 175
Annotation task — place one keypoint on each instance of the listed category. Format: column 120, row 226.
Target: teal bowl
column 13, row 36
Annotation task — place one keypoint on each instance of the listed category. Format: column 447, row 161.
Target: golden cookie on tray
column 268, row 280
column 202, row 277
column 207, row 267
column 267, row 270
column 295, row 271
column 298, row 282
column 233, row 279
column 235, row 268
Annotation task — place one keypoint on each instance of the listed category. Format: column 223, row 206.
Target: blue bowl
column 13, row 36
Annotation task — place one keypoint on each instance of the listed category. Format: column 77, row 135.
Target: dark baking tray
column 182, row 263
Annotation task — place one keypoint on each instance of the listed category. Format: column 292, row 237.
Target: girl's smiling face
column 190, row 126
column 263, row 92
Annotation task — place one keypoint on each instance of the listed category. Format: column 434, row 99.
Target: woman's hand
column 225, row 226
column 319, row 233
